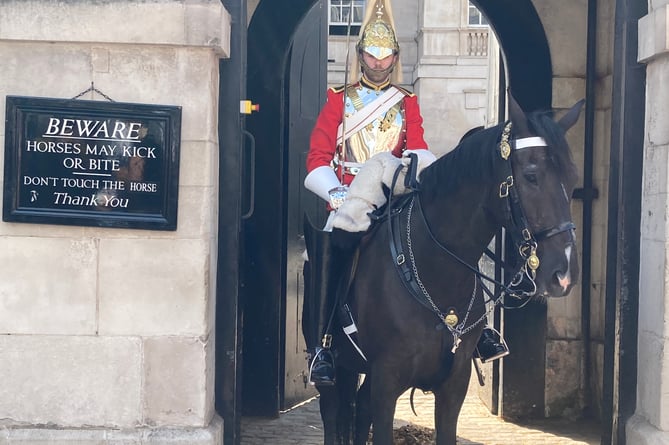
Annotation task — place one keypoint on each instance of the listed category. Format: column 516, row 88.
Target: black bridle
column 525, row 241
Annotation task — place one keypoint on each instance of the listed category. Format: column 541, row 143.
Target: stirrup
column 491, row 346
column 321, row 368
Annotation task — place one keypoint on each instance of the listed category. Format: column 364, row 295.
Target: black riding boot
column 491, row 346
column 319, row 304
column 322, row 368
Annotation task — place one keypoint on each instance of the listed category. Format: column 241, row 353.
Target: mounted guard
column 363, row 132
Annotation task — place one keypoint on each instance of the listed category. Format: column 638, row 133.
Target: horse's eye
column 531, row 177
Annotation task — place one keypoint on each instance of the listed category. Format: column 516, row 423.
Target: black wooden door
column 286, row 65
column 307, row 77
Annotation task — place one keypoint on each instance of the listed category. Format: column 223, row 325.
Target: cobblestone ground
column 302, row 425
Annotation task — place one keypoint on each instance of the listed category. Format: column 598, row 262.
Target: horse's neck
column 462, row 222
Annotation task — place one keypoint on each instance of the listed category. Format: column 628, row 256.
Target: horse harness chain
column 450, row 320
column 411, row 278
column 523, row 238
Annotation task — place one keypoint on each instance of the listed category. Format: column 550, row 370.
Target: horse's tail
column 413, row 408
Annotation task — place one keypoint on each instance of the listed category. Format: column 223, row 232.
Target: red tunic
column 322, row 145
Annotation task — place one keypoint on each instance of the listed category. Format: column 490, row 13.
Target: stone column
column 106, row 335
column 650, row 423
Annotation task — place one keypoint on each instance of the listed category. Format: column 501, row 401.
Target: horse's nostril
column 563, row 280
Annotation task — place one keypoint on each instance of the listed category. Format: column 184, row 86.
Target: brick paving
column 302, row 425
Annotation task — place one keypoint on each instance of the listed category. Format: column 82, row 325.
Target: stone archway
column 530, row 76
column 529, row 66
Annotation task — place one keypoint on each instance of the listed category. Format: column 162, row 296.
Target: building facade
column 110, row 335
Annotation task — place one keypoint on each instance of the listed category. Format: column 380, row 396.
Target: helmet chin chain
column 386, row 71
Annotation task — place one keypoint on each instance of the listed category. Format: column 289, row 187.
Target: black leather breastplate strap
column 400, row 259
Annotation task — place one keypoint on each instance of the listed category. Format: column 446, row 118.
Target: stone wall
column 602, row 146
column 650, row 423
column 107, row 335
column 568, row 51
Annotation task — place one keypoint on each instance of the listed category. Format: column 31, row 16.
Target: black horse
column 414, row 290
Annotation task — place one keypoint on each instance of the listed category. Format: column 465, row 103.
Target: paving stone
column 302, row 425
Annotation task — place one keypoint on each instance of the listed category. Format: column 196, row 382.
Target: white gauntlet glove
column 323, row 182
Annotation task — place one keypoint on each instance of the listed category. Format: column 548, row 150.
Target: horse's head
column 538, row 188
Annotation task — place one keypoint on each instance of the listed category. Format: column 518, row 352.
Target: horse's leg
column 449, row 398
column 384, row 393
column 363, row 414
column 328, row 403
column 347, row 384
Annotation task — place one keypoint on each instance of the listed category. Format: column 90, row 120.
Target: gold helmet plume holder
column 377, row 35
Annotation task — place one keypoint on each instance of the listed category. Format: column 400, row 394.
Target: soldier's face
column 377, row 70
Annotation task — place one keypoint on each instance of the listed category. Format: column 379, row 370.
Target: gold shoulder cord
column 352, row 93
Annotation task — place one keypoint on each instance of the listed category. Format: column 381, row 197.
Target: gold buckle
column 327, row 341
column 527, row 236
column 504, row 187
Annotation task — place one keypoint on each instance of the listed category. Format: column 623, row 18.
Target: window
column 475, row 16
column 338, row 16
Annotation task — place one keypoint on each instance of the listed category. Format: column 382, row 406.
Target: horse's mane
column 474, row 158
column 471, row 159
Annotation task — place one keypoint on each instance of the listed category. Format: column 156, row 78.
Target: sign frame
column 56, row 141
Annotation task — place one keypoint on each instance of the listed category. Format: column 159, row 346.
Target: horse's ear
column 518, row 118
column 569, row 119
